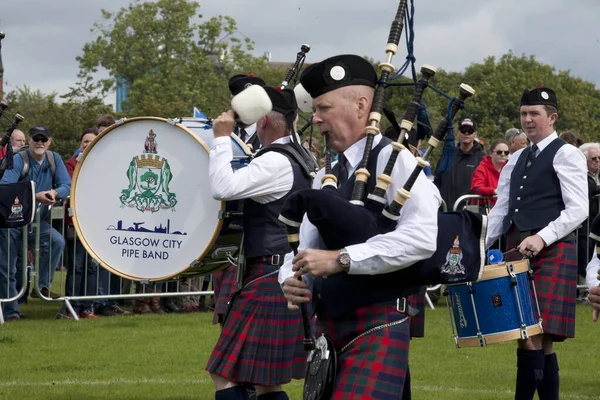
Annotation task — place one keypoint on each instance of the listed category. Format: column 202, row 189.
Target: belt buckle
column 275, row 259
column 401, row 305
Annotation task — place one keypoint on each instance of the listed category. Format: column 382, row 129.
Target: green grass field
column 163, row 357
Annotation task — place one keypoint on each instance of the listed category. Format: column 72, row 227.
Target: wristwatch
column 343, row 260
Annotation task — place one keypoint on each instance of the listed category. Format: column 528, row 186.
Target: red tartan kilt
column 555, row 278
column 374, row 366
column 224, row 285
column 261, row 339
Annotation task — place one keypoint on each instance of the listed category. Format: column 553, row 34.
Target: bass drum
column 142, row 204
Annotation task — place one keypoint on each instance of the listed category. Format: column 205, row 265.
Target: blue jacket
column 41, row 174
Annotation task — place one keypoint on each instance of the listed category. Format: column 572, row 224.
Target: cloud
column 43, row 38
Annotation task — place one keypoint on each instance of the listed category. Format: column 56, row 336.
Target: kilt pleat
column 261, row 339
column 374, row 366
column 417, row 322
column 555, row 278
column 224, row 285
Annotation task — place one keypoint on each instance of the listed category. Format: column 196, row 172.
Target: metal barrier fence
column 100, row 284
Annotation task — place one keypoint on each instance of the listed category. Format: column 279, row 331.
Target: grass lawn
column 163, row 357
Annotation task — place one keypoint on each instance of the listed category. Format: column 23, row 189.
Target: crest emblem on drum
column 453, row 266
column 16, row 211
column 149, row 177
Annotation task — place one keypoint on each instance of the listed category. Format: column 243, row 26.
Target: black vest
column 342, row 293
column 535, row 197
column 264, row 234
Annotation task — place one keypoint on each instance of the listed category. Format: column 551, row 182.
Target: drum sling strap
column 305, row 161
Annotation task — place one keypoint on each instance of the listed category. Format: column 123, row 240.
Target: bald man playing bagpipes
column 351, row 288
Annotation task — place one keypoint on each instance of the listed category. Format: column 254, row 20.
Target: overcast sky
column 43, row 37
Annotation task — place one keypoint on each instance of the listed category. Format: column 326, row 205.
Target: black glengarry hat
column 336, row 72
column 284, row 102
column 237, row 83
column 539, row 96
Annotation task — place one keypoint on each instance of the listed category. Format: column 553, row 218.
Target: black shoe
column 105, row 311
column 170, row 306
column 118, row 310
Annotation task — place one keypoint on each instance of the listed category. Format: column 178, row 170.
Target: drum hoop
column 499, row 337
column 494, row 271
column 240, row 143
column 78, row 231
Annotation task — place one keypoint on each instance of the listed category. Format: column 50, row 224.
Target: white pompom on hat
column 252, row 104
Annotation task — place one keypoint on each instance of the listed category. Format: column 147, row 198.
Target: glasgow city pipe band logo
column 149, row 178
column 453, row 268
column 16, row 211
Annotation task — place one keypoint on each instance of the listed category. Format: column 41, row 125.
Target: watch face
column 344, row 259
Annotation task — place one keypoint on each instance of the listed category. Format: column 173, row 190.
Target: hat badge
column 544, row 95
column 337, row 73
column 247, row 85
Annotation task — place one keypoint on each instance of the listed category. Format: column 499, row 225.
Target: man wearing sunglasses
column 51, row 184
column 456, row 181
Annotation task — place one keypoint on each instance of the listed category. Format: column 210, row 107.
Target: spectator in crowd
column 51, row 184
column 17, row 141
column 485, row 178
column 81, row 269
column 456, row 182
column 104, row 122
column 516, row 139
column 585, row 247
column 572, row 138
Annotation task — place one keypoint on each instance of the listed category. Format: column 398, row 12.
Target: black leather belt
column 275, row 260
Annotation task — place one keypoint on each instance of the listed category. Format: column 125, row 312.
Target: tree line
column 173, row 59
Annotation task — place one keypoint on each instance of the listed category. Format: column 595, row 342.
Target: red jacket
column 485, row 179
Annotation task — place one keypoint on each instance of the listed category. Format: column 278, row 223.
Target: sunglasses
column 467, row 132
column 594, row 158
column 42, row 139
column 502, row 152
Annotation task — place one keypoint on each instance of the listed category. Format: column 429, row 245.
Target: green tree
column 170, row 61
column 65, row 120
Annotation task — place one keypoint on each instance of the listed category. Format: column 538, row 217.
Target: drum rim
column 499, row 337
column 72, row 197
column 493, row 271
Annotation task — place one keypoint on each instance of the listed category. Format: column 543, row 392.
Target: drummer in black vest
column 350, row 286
column 542, row 199
column 261, row 340
column 224, row 282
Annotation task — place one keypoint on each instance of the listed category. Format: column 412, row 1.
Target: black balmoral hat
column 539, row 96
column 238, row 83
column 336, row 72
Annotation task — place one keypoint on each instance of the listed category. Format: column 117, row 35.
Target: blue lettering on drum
column 462, row 321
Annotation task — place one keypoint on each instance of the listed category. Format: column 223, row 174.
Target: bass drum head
column 142, row 201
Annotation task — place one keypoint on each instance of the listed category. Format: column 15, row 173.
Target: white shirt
column 593, row 270
column 265, row 179
column 571, row 168
column 415, row 236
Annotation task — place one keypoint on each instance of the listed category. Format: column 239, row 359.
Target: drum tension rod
column 511, row 273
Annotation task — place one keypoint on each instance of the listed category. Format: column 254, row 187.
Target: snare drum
column 142, row 203
column 499, row 307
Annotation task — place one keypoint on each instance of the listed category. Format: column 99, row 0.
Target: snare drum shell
column 495, row 304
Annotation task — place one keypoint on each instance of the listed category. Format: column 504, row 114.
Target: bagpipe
column 343, row 223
